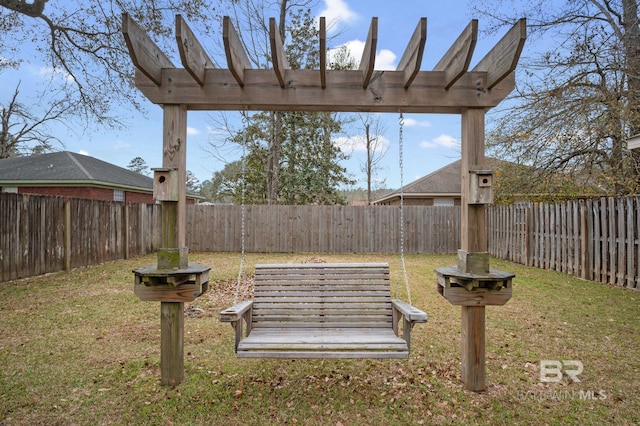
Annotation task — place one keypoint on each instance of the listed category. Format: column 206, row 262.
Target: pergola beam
column 237, row 58
column 412, row 57
column 456, row 61
column 193, row 56
column 503, row 58
column 343, row 92
column 278, row 57
column 145, row 54
column 368, row 61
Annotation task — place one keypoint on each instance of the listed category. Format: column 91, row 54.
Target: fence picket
column 629, row 278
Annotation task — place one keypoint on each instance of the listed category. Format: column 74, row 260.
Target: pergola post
column 172, row 281
column 171, row 254
column 473, row 242
column 472, row 284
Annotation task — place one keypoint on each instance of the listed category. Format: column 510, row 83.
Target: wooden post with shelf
column 172, row 281
column 472, row 284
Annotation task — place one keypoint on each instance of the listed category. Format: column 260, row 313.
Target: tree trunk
column 632, row 52
column 273, row 159
column 369, row 161
column 631, row 43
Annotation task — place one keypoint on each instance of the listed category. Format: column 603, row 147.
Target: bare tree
column 81, row 42
column 23, row 132
column 376, row 149
column 578, row 99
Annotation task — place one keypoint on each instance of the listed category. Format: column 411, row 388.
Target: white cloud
column 216, row 131
column 442, row 141
column 411, row 122
column 358, row 143
column 121, row 145
column 54, row 73
column 83, row 152
column 337, row 13
column 385, row 59
column 192, row 131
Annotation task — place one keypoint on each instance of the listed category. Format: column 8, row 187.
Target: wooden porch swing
column 317, row 310
column 322, row 310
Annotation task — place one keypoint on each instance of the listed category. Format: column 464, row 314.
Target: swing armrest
column 236, row 312
column 234, row 315
column 409, row 312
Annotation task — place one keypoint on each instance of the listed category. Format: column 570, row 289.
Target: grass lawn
column 81, row 348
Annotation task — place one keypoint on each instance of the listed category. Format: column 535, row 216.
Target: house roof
column 444, row 182
column 67, row 168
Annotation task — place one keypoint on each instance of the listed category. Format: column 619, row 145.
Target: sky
column 431, row 141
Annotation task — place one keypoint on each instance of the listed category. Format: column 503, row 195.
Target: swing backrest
column 322, row 295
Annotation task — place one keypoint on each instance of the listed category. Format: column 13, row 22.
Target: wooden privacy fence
column 40, row 234
column 324, row 229
column 595, row 239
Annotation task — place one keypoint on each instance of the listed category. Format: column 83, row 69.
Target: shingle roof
column 69, row 168
column 444, row 181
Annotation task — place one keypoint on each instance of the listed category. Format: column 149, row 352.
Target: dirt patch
column 225, row 293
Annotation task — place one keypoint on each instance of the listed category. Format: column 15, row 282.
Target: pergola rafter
column 449, row 88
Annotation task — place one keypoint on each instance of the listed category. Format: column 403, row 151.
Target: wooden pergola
column 450, row 88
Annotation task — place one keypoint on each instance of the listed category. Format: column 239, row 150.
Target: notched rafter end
column 323, row 52
column 144, row 53
column 278, row 56
column 412, row 57
column 503, row 58
column 193, row 56
column 237, row 58
column 368, row 61
column 456, row 61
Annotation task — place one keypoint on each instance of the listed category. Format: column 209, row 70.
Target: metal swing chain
column 402, row 261
column 242, row 209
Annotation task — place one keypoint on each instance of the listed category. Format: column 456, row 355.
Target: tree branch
column 33, row 9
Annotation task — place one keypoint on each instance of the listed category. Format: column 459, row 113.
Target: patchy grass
column 80, row 348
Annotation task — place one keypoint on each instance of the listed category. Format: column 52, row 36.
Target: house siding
column 138, row 197
column 416, row 202
column 86, row 192
column 90, row 193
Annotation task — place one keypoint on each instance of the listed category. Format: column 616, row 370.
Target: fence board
column 629, row 277
column 329, row 229
column 637, row 240
column 595, row 239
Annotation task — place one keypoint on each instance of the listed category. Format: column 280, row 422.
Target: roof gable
column 69, row 167
column 442, row 182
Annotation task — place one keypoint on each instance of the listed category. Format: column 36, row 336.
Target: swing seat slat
column 323, row 310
